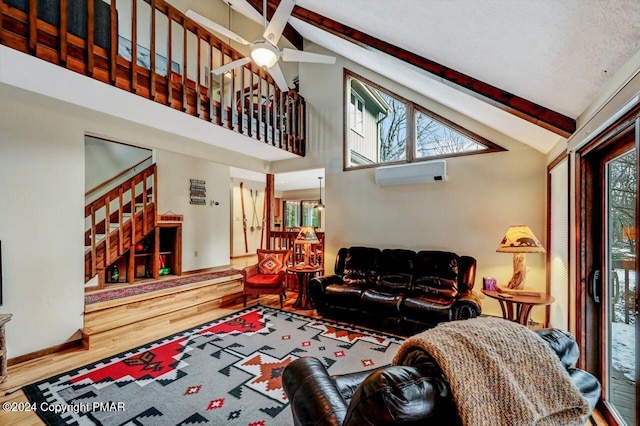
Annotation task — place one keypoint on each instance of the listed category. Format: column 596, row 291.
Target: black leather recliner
column 403, row 289
column 413, row 394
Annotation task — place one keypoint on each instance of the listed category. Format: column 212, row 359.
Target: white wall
column 205, row 230
column 468, row 215
column 105, row 160
column 41, row 224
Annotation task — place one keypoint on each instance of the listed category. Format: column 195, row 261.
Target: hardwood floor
column 49, row 365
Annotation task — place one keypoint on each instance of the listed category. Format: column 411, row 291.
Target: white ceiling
column 559, row 54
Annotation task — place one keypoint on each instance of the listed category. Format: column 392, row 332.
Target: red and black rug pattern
column 226, row 372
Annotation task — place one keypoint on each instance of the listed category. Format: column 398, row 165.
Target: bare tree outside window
column 434, row 138
column 376, row 129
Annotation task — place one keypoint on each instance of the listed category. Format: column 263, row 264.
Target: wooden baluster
column 94, row 262
column 120, row 223
column 155, row 187
column 132, row 203
column 1, row 3
column 233, row 119
column 289, row 121
column 169, row 58
column 212, row 111
column 303, row 130
column 184, row 66
column 152, row 65
column 198, row 76
column 63, row 32
column 113, row 51
column 267, row 111
column 278, row 108
column 33, row 25
column 134, row 46
column 258, row 108
column 107, row 230
column 145, row 229
column 240, row 107
column 223, row 108
column 251, row 104
column 91, row 23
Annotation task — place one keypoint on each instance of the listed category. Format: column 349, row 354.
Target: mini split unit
column 421, row 172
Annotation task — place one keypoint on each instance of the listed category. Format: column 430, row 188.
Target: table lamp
column 519, row 240
column 306, row 236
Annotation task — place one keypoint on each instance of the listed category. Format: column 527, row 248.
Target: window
column 301, row 213
column 435, row 139
column 385, row 128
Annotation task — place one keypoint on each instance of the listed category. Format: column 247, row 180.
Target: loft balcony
column 174, row 56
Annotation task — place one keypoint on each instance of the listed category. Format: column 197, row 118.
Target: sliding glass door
column 608, row 299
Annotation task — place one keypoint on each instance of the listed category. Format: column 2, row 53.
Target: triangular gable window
column 438, row 137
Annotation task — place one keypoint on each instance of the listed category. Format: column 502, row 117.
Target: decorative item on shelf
column 306, row 237
column 320, row 206
column 198, row 192
column 115, row 274
column 170, row 217
column 519, row 240
column 489, row 283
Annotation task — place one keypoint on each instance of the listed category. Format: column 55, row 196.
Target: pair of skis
column 255, row 217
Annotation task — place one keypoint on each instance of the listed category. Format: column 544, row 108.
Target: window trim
column 412, row 110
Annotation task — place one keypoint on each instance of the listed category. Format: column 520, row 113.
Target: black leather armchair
column 398, row 288
column 414, row 394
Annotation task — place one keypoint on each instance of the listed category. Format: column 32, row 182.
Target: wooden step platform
column 158, row 313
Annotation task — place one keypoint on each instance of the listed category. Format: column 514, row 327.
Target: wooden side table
column 518, row 308
column 4, row 318
column 304, row 275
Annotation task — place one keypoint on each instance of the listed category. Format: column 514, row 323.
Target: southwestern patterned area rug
column 226, row 372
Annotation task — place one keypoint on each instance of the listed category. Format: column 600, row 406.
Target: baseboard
column 47, row 351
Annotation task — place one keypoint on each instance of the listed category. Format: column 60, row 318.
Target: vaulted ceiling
column 526, row 68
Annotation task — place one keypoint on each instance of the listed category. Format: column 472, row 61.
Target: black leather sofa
column 397, row 288
column 412, row 394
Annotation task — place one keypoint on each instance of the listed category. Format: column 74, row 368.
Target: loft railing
column 173, row 55
column 118, row 220
column 285, row 240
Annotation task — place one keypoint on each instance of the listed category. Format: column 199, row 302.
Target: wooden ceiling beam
column 294, row 37
column 509, row 102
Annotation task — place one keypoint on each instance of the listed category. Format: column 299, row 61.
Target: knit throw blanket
column 501, row 373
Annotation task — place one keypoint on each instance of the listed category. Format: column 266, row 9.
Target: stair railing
column 117, row 211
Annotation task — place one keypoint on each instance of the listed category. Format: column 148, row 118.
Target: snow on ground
column 623, row 348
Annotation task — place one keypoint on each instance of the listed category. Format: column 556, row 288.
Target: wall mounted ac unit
column 424, row 171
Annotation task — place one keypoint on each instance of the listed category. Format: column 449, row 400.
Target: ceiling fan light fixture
column 264, row 54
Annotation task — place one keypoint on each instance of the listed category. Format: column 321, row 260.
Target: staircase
column 117, row 221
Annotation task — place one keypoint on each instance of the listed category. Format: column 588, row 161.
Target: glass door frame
column 591, row 247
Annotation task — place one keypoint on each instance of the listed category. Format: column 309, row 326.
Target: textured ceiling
column 559, row 54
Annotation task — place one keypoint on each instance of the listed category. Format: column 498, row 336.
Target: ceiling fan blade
column 278, row 77
column 274, row 30
column 231, row 65
column 215, row 27
column 291, row 55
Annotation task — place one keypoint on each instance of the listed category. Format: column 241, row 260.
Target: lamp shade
column 307, row 235
column 520, row 239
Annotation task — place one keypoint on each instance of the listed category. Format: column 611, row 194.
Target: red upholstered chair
column 268, row 276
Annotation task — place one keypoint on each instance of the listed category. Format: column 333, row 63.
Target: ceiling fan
column 264, row 51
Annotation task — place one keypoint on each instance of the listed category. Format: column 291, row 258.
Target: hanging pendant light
column 319, row 206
